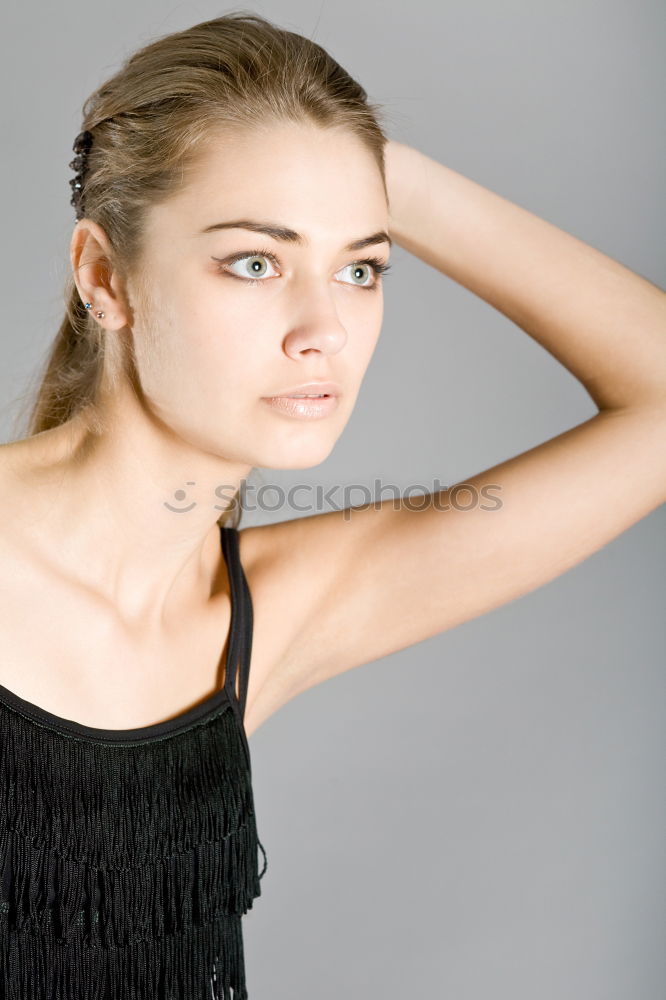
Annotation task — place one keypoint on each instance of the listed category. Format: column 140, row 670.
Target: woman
column 236, row 201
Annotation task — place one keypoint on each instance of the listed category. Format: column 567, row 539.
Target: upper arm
column 350, row 586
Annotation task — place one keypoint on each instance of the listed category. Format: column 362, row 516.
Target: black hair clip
column 81, row 147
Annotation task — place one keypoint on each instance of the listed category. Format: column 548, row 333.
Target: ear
column 96, row 278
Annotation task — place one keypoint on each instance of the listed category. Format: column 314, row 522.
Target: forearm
column 602, row 321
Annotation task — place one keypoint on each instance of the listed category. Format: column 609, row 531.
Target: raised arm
column 603, row 322
column 389, row 576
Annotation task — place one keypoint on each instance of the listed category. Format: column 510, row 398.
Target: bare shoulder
column 22, row 599
column 288, row 566
column 13, row 499
column 292, row 567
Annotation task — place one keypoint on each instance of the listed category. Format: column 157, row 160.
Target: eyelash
column 379, row 267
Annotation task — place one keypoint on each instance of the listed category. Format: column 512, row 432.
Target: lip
column 327, row 388
column 305, row 409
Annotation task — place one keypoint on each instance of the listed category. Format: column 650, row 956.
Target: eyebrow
column 278, row 232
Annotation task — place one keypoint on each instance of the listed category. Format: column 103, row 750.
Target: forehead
column 323, row 183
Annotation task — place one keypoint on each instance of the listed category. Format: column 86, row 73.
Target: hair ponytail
column 73, row 368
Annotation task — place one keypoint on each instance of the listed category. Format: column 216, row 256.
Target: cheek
column 184, row 337
column 216, row 329
column 218, row 353
column 362, row 341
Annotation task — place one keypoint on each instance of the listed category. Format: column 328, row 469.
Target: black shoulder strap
column 239, row 647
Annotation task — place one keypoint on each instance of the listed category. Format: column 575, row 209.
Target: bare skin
column 132, row 599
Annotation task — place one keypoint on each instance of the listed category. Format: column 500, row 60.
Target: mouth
column 310, row 405
column 316, row 389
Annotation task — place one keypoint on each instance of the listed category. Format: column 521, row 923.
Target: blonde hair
column 149, row 122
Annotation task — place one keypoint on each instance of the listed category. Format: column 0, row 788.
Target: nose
column 318, row 330
column 319, row 342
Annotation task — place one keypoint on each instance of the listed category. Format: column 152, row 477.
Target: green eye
column 378, row 266
column 252, row 268
column 251, row 263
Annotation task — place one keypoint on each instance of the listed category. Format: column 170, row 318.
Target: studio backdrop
column 482, row 814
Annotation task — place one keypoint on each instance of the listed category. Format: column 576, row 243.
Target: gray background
column 483, row 814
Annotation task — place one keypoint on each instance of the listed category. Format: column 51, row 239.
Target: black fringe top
column 128, row 856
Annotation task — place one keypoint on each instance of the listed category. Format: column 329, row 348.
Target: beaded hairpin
column 81, row 146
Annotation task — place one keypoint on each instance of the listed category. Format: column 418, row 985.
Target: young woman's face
column 221, row 336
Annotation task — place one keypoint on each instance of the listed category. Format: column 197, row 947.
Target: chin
column 297, row 454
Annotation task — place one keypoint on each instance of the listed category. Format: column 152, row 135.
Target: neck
column 124, row 506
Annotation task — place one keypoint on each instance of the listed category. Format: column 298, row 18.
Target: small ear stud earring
column 99, row 314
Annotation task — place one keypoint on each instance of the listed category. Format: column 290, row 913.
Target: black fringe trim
column 125, row 868
column 205, row 963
